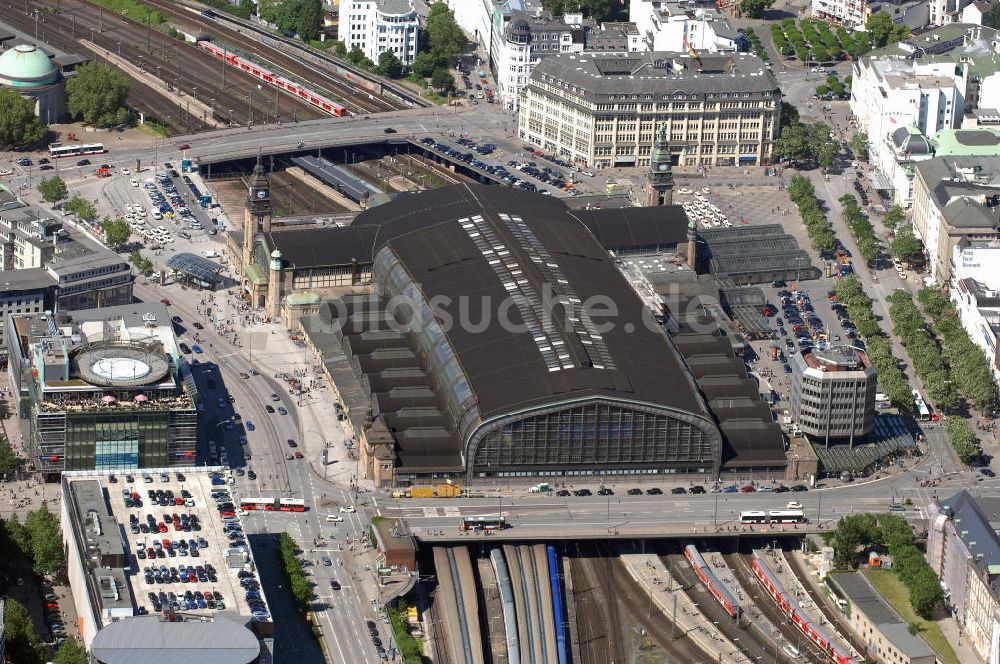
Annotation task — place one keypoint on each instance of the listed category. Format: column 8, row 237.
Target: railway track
column 750, row 640
column 637, row 604
column 790, row 634
column 600, row 635
column 842, row 626
column 179, row 65
column 234, row 35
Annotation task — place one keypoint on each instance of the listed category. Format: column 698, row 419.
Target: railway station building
column 481, row 350
column 102, row 389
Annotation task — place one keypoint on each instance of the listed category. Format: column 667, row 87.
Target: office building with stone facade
column 602, row 109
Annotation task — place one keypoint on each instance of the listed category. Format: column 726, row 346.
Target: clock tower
column 257, row 211
column 659, row 178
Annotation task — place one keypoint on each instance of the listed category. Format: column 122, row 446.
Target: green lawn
column 893, row 590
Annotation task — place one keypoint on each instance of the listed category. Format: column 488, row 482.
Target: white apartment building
column 956, row 208
column 899, row 103
column 978, row 307
column 377, row 26
column 673, row 25
column 475, row 17
column 943, row 12
column 851, row 13
column 602, row 109
column 522, row 40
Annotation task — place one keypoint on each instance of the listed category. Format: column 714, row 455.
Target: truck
column 845, row 270
column 103, row 172
column 842, row 257
column 544, row 487
column 447, row 490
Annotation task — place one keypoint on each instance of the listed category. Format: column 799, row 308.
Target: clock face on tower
column 262, row 193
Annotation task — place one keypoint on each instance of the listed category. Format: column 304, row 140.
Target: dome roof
column 25, row 65
column 909, row 139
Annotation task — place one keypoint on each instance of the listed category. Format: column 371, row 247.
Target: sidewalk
column 649, row 572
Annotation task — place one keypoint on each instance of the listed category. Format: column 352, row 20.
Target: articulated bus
column 273, row 504
column 772, row 516
column 57, row 151
column 483, row 523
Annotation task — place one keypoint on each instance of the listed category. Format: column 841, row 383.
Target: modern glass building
column 104, row 389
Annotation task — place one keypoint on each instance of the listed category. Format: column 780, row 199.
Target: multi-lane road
column 342, row 612
column 547, row 516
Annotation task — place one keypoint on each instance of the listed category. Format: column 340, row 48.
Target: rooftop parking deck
column 206, row 535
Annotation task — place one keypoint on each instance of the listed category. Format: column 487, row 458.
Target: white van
column 211, row 253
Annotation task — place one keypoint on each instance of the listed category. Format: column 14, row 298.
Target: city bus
column 923, row 412
column 291, row 505
column 483, row 523
column 58, row 151
column 772, row 516
column 273, row 504
column 259, row 504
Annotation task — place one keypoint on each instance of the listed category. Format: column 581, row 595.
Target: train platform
column 670, row 599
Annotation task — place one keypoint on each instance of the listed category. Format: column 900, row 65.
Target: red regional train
column 704, row 572
column 271, row 78
column 790, row 607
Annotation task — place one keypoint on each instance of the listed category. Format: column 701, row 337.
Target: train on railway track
column 257, row 71
column 707, row 576
column 836, row 652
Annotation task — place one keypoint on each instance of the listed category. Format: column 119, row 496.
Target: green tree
column 287, row 15
column 22, row 643
column 8, row 460
column 18, row 123
column 340, row 49
column 852, row 533
column 925, row 592
column 883, row 31
column 905, row 244
column 754, row 8
column 789, row 114
column 893, row 217
column 46, row 543
column 71, row 652
column 18, row 536
column 859, row 145
column 389, row 65
column 142, row 265
column 992, row 19
column 442, row 79
column 424, row 65
column 793, row 143
column 96, row 94
column 356, row 55
column 310, row 20
column 116, row 231
column 445, row 40
column 53, row 189
column 82, row 208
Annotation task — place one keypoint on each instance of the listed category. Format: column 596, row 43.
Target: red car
column 51, row 605
column 165, row 301
column 298, row 455
column 748, row 489
column 184, row 146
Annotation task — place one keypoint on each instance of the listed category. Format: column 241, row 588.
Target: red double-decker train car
column 269, row 77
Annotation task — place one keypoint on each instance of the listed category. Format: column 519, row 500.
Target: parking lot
column 182, row 528
column 526, row 174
